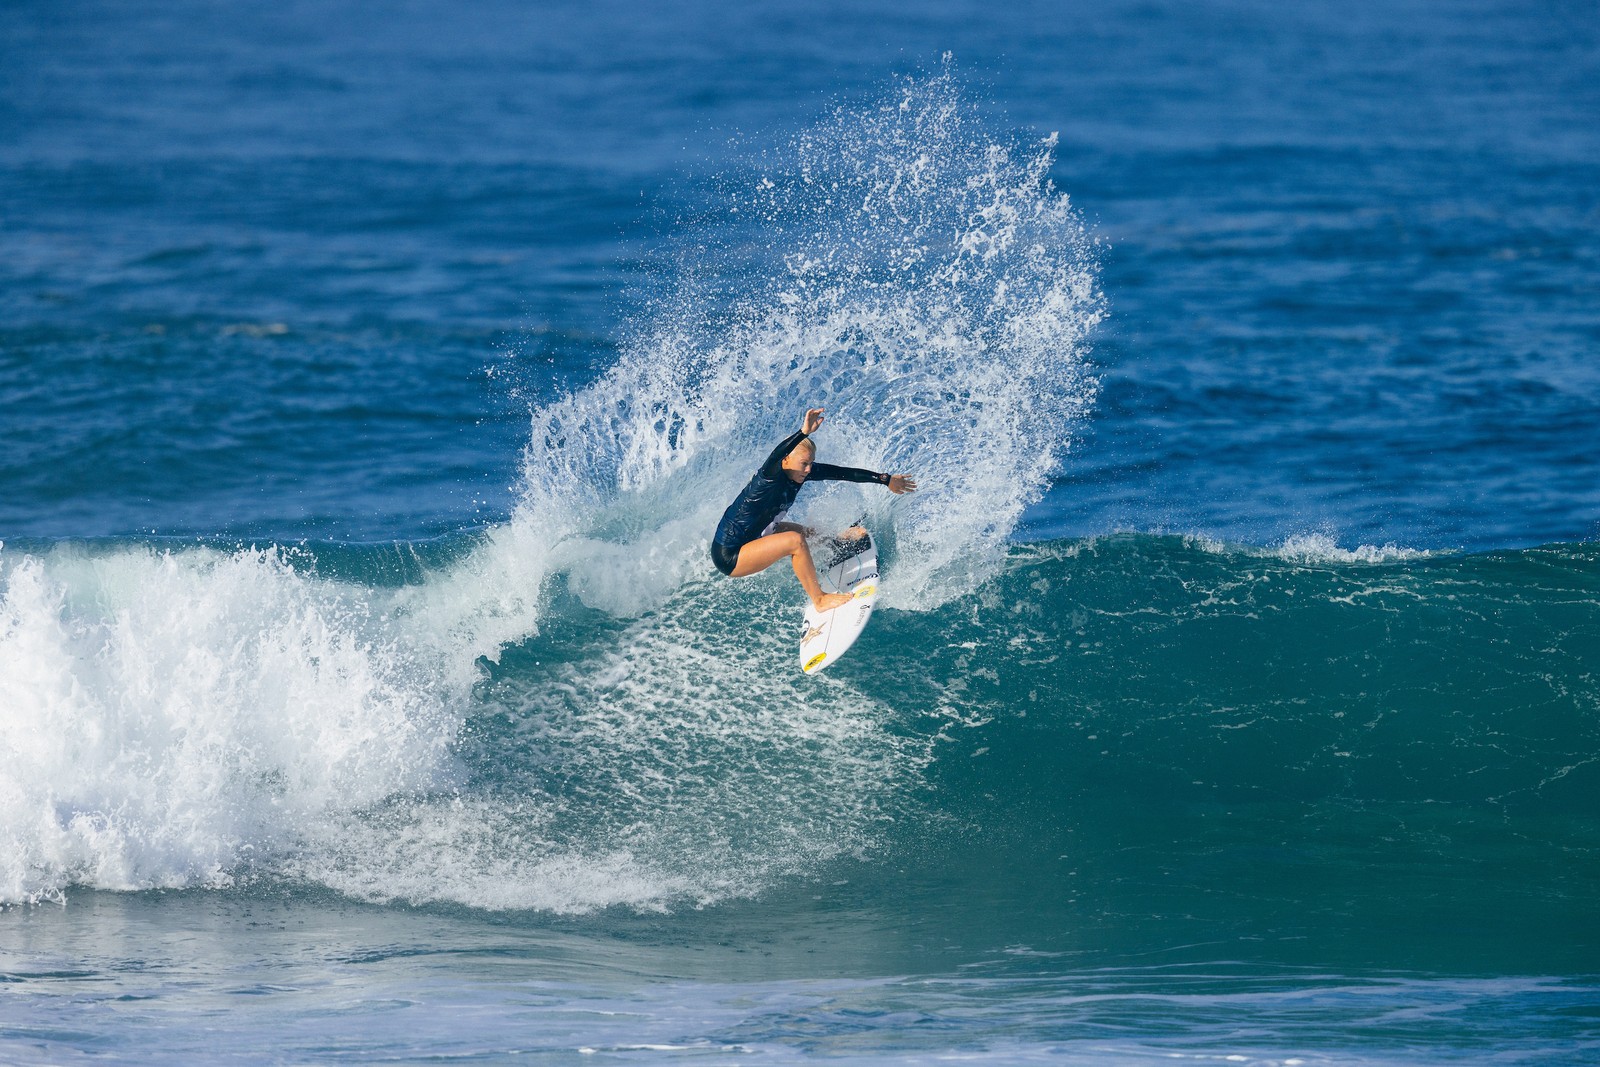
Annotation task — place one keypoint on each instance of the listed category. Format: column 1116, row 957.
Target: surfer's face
column 798, row 463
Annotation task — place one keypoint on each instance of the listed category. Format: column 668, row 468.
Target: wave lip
column 1321, row 548
column 1314, row 548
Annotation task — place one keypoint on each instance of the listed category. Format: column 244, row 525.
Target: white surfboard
column 843, row 567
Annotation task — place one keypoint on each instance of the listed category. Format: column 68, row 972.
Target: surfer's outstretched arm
column 827, row 472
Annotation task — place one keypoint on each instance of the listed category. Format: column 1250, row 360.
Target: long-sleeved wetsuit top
column 771, row 491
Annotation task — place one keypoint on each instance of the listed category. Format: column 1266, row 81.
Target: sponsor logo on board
column 814, row 660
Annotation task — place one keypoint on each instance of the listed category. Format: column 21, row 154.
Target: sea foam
column 171, row 718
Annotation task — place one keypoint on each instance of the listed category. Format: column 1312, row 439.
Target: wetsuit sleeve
column 827, row 472
column 774, row 462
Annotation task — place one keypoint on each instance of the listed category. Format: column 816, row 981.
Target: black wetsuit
column 769, row 495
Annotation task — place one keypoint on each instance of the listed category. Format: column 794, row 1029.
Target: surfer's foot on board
column 829, row 601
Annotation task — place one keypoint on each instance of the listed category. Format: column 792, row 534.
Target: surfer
column 752, row 535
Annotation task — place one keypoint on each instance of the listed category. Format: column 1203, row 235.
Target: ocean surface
column 373, row 375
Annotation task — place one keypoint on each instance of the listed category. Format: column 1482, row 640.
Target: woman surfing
column 752, row 535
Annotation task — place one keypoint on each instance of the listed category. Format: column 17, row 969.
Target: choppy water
column 372, row 381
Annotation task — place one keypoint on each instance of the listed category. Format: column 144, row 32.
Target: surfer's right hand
column 809, row 424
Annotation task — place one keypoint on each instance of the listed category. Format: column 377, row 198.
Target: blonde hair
column 808, row 445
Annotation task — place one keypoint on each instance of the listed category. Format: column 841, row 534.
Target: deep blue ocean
column 372, row 377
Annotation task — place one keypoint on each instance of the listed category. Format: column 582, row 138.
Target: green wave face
column 1159, row 666
column 1298, row 755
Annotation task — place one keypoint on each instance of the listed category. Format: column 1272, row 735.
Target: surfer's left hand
column 899, row 483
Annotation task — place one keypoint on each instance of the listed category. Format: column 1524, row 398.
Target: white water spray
column 193, row 717
column 927, row 285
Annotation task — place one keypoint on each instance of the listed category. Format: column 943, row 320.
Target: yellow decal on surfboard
column 814, row 660
column 866, row 590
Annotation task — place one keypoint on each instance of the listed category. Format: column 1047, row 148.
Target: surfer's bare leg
column 763, row 552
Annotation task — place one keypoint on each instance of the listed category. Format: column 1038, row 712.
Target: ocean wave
column 204, row 717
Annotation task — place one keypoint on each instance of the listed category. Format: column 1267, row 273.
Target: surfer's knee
column 785, row 545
